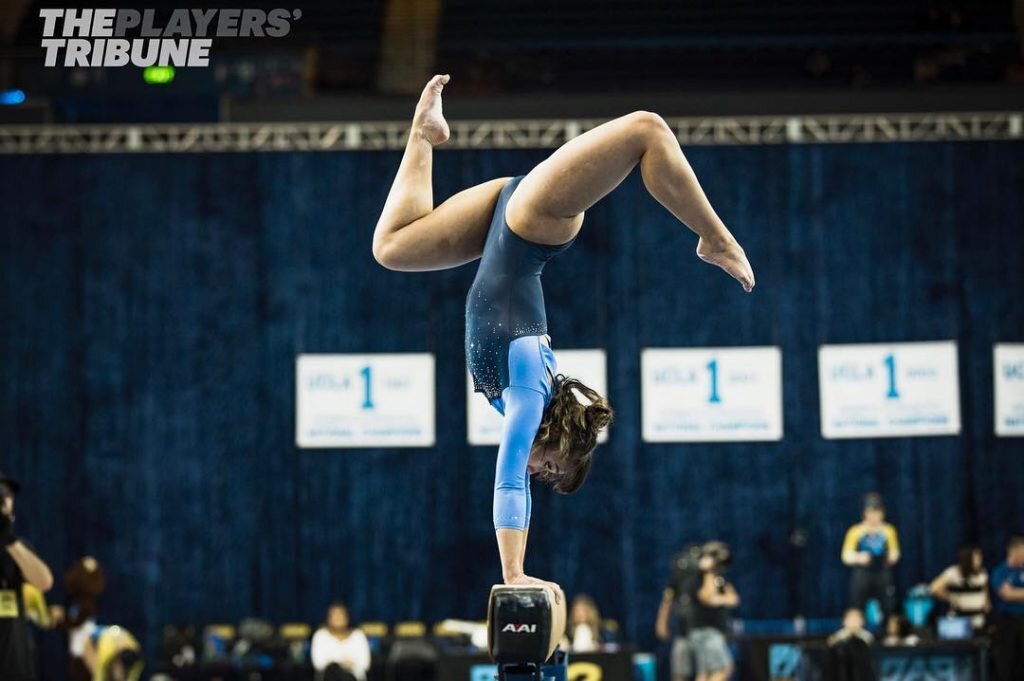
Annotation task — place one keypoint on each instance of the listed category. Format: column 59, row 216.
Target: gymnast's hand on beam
column 533, row 581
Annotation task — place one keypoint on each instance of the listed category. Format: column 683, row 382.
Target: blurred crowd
column 963, row 602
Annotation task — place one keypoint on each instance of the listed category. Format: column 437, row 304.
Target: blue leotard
column 507, row 360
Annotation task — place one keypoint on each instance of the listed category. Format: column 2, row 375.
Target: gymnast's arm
column 524, row 408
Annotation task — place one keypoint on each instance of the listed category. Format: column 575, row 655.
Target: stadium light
column 158, row 75
column 12, row 97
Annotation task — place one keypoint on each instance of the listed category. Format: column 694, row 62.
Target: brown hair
column 572, row 427
column 965, row 560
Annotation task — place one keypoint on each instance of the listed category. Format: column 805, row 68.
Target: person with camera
column 18, row 565
column 713, row 600
column 677, row 597
column 871, row 548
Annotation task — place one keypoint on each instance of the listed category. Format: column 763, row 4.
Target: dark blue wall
column 153, row 306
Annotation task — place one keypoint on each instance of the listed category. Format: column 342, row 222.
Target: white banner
column 1009, row 381
column 484, row 422
column 711, row 394
column 381, row 400
column 889, row 389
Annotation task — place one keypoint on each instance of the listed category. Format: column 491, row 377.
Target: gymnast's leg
column 547, row 207
column 413, row 235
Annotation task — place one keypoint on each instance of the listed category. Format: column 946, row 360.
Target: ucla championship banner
column 711, row 394
column 484, row 421
column 889, row 390
column 1008, row 360
column 384, row 400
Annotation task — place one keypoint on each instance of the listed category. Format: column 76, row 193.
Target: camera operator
column 678, row 597
column 714, row 599
column 871, row 548
column 18, row 564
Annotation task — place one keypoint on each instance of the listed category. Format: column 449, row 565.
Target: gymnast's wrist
column 511, row 573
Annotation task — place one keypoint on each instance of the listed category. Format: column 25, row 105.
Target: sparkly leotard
column 506, row 300
column 509, row 363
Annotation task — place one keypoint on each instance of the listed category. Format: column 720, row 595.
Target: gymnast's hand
column 533, row 581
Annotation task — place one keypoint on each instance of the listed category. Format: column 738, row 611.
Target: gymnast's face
column 544, row 460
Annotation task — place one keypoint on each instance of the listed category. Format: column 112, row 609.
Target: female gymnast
column 515, row 225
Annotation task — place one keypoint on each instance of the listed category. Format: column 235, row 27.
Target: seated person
column 853, row 628
column 849, row 650
column 584, row 630
column 338, row 651
column 965, row 587
column 112, row 654
column 896, row 633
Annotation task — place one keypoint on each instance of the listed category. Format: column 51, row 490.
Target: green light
column 158, row 75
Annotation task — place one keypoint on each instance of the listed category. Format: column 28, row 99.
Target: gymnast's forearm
column 512, row 548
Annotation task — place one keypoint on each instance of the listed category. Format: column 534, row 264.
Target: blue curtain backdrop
column 153, row 307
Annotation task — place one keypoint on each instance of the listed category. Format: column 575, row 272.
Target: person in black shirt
column 848, row 657
column 18, row 564
column 677, row 597
column 714, row 598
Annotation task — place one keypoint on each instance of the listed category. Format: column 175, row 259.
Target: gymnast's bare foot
column 727, row 254
column 428, row 121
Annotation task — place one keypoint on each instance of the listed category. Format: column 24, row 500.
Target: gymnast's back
column 506, row 300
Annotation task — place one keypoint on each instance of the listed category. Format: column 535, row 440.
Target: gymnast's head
column 564, row 447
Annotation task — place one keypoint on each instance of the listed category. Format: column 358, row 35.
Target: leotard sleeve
column 524, row 401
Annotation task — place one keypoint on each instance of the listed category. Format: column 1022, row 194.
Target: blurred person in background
column 897, row 632
column 113, row 654
column 714, row 600
column 84, row 584
column 18, row 565
column 965, row 587
column 339, row 652
column 849, row 650
column 678, row 597
column 871, row 548
column 584, row 630
column 96, row 652
column 1008, row 597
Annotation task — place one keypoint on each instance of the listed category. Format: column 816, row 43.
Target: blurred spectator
column 112, row 654
column 339, row 652
column 18, row 565
column 849, row 650
column 84, row 583
column 897, row 632
column 871, row 548
column 684, row 581
column 1008, row 590
column 713, row 601
column 965, row 587
column 584, row 630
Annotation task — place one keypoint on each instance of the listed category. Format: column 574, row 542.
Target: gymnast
column 515, row 225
